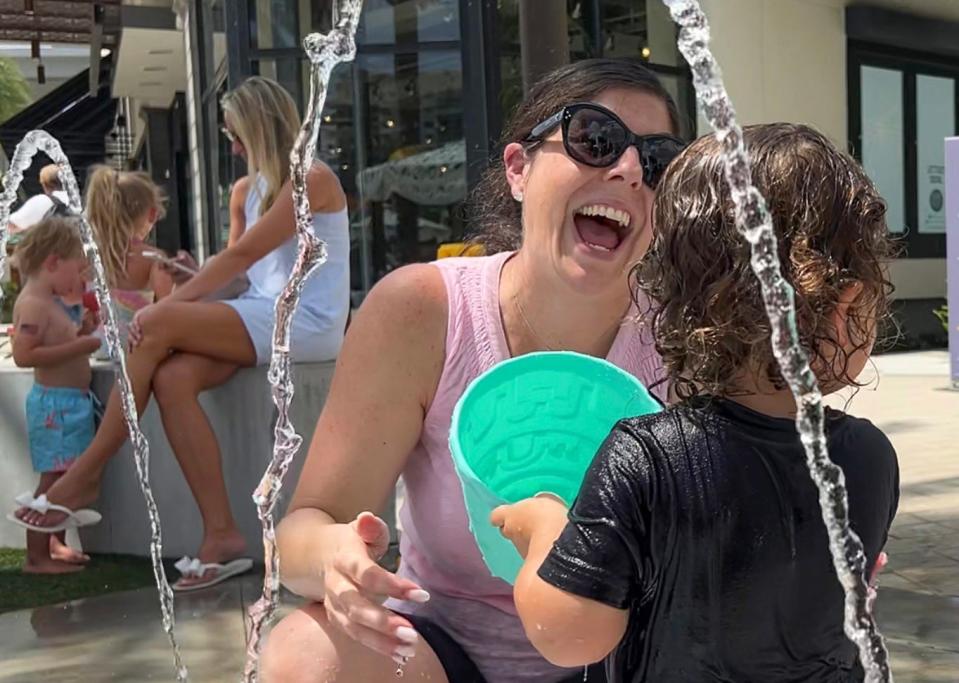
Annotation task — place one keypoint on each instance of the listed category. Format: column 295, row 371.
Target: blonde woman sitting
column 183, row 345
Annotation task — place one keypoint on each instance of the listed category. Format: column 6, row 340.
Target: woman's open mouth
column 602, row 227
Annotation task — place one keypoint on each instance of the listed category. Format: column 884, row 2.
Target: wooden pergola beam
column 40, row 6
column 69, row 21
column 20, row 35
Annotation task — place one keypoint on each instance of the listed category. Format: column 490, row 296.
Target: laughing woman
column 565, row 216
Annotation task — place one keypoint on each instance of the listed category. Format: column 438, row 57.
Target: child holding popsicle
column 59, row 407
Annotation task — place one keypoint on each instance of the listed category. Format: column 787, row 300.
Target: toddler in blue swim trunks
column 60, row 410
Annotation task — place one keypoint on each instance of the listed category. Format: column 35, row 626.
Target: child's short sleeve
column 871, row 469
column 600, row 554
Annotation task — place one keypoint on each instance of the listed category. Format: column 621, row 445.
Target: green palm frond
column 14, row 91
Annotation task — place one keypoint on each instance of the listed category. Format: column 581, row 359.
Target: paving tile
column 118, row 637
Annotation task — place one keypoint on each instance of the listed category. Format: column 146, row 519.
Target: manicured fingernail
column 407, row 635
column 418, row 595
column 402, row 661
column 405, row 651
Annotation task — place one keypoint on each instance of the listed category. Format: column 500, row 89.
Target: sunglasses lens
column 656, row 154
column 593, row 138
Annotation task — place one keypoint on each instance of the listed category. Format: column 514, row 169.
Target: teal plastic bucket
column 532, row 424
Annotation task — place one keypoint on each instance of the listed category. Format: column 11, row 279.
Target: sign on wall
column 931, row 215
column 935, row 120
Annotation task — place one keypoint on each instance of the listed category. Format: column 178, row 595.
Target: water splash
column 39, row 140
column 325, row 51
column 755, row 224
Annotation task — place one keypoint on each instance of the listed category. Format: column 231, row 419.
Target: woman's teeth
column 621, row 217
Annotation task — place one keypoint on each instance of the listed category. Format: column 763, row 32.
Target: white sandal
column 192, row 568
column 74, row 518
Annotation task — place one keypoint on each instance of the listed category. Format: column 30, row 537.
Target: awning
column 433, row 178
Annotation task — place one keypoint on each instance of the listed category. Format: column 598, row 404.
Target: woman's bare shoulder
column 415, row 296
column 397, row 341
column 325, row 189
column 240, row 189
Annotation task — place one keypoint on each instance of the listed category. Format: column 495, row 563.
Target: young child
column 122, row 208
column 60, row 410
column 696, row 549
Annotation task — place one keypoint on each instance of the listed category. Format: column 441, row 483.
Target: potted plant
column 10, row 291
column 943, row 314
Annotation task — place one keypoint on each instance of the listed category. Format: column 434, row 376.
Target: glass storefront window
column 277, row 24
column 935, row 120
column 901, row 108
column 284, row 23
column 408, row 21
column 882, row 134
column 640, row 28
column 288, row 72
column 605, row 28
column 414, row 177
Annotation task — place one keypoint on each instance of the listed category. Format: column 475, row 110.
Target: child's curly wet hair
column 710, row 324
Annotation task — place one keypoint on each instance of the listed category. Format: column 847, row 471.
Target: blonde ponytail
column 116, row 203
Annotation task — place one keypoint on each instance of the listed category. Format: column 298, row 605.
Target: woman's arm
column 238, row 210
column 161, row 282
column 273, row 228
column 384, row 382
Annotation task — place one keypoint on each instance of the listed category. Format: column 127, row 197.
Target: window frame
column 911, row 63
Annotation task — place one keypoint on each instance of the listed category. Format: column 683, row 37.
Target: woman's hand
column 542, row 517
column 356, row 586
column 179, row 275
column 135, row 329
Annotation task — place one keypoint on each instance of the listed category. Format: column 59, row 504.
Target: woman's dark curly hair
column 495, row 216
column 711, row 324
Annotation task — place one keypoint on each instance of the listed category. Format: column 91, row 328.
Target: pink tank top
column 438, row 551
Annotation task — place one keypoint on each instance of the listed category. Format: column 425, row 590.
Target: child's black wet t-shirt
column 703, row 522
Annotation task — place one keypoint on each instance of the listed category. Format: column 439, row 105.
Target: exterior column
column 197, row 43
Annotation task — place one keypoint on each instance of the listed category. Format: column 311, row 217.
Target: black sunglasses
column 595, row 136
